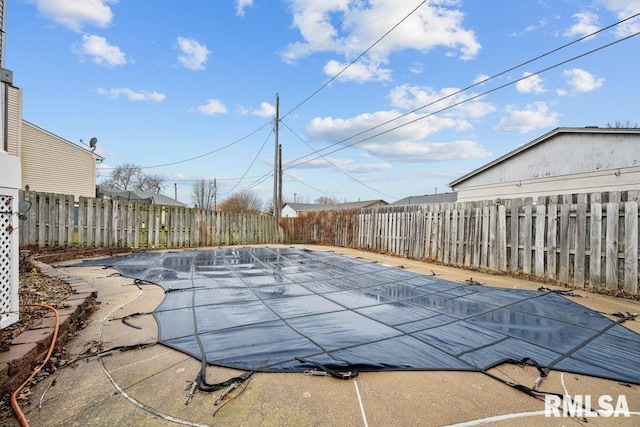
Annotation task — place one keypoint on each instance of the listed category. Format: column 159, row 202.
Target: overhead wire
column 310, row 186
column 210, row 152
column 252, row 162
column 485, row 80
column 301, row 103
column 297, row 162
column 317, row 49
column 407, row 113
column 353, row 61
column 416, row 109
column 336, row 166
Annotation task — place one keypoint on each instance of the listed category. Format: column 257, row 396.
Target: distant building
column 449, row 197
column 563, row 161
column 292, row 210
column 138, row 197
column 49, row 163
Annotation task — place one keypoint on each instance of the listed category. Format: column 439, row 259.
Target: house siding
column 565, row 163
column 14, row 123
column 52, row 164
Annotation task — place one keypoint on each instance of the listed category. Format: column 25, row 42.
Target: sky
column 378, row 99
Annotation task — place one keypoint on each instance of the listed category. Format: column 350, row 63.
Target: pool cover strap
column 341, row 375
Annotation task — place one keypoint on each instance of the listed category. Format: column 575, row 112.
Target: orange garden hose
column 14, row 399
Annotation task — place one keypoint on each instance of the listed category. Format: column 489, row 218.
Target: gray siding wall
column 566, row 163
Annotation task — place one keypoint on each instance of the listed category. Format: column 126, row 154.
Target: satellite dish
column 93, row 142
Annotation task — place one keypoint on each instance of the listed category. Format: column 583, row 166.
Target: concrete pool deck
column 149, row 386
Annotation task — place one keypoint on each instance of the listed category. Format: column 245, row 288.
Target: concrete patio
column 149, row 386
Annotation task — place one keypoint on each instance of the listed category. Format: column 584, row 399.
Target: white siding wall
column 288, row 212
column 14, row 125
column 51, row 164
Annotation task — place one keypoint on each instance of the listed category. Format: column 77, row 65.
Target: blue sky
column 166, row 81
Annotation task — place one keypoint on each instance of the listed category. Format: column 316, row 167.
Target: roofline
column 548, row 135
column 95, row 156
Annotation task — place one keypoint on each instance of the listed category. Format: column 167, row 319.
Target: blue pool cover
column 267, row 308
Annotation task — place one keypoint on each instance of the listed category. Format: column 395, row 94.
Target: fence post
column 631, row 247
column 580, row 250
column 611, row 262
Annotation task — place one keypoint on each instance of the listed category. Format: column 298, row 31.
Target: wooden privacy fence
column 585, row 241
column 583, row 244
column 57, row 220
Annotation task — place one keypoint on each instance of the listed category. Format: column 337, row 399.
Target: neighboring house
column 138, row 196
column 449, row 197
column 49, row 163
column 292, row 210
column 563, row 161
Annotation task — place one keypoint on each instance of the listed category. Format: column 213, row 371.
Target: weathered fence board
column 57, row 220
column 586, row 240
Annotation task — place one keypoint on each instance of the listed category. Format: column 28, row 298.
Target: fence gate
column 9, row 280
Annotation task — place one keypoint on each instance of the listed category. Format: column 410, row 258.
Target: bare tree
column 325, row 200
column 151, row 183
column 129, row 176
column 620, row 125
column 245, row 201
column 202, row 193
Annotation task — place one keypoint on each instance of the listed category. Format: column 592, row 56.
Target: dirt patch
column 35, row 288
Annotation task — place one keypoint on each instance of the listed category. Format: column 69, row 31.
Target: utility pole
column 215, row 195
column 276, row 168
column 175, row 190
column 279, row 178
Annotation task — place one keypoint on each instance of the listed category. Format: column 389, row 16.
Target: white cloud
column 102, row 52
column 531, row 84
column 403, row 143
column 241, row 5
column 193, row 54
column 212, row 107
column 480, row 78
column 74, row 14
column 346, row 165
column 266, row 110
column 533, row 27
column 582, row 80
column 329, row 129
column 417, row 68
column 419, row 152
column 624, row 9
column 587, row 24
column 359, row 72
column 536, row 115
column 435, row 24
column 412, row 97
column 131, row 95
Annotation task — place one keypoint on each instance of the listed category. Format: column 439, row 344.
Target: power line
column 301, row 103
column 336, row 166
column 313, row 188
column 355, row 60
column 317, row 49
column 210, row 152
column 298, row 163
column 485, row 80
column 405, row 114
column 252, row 162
